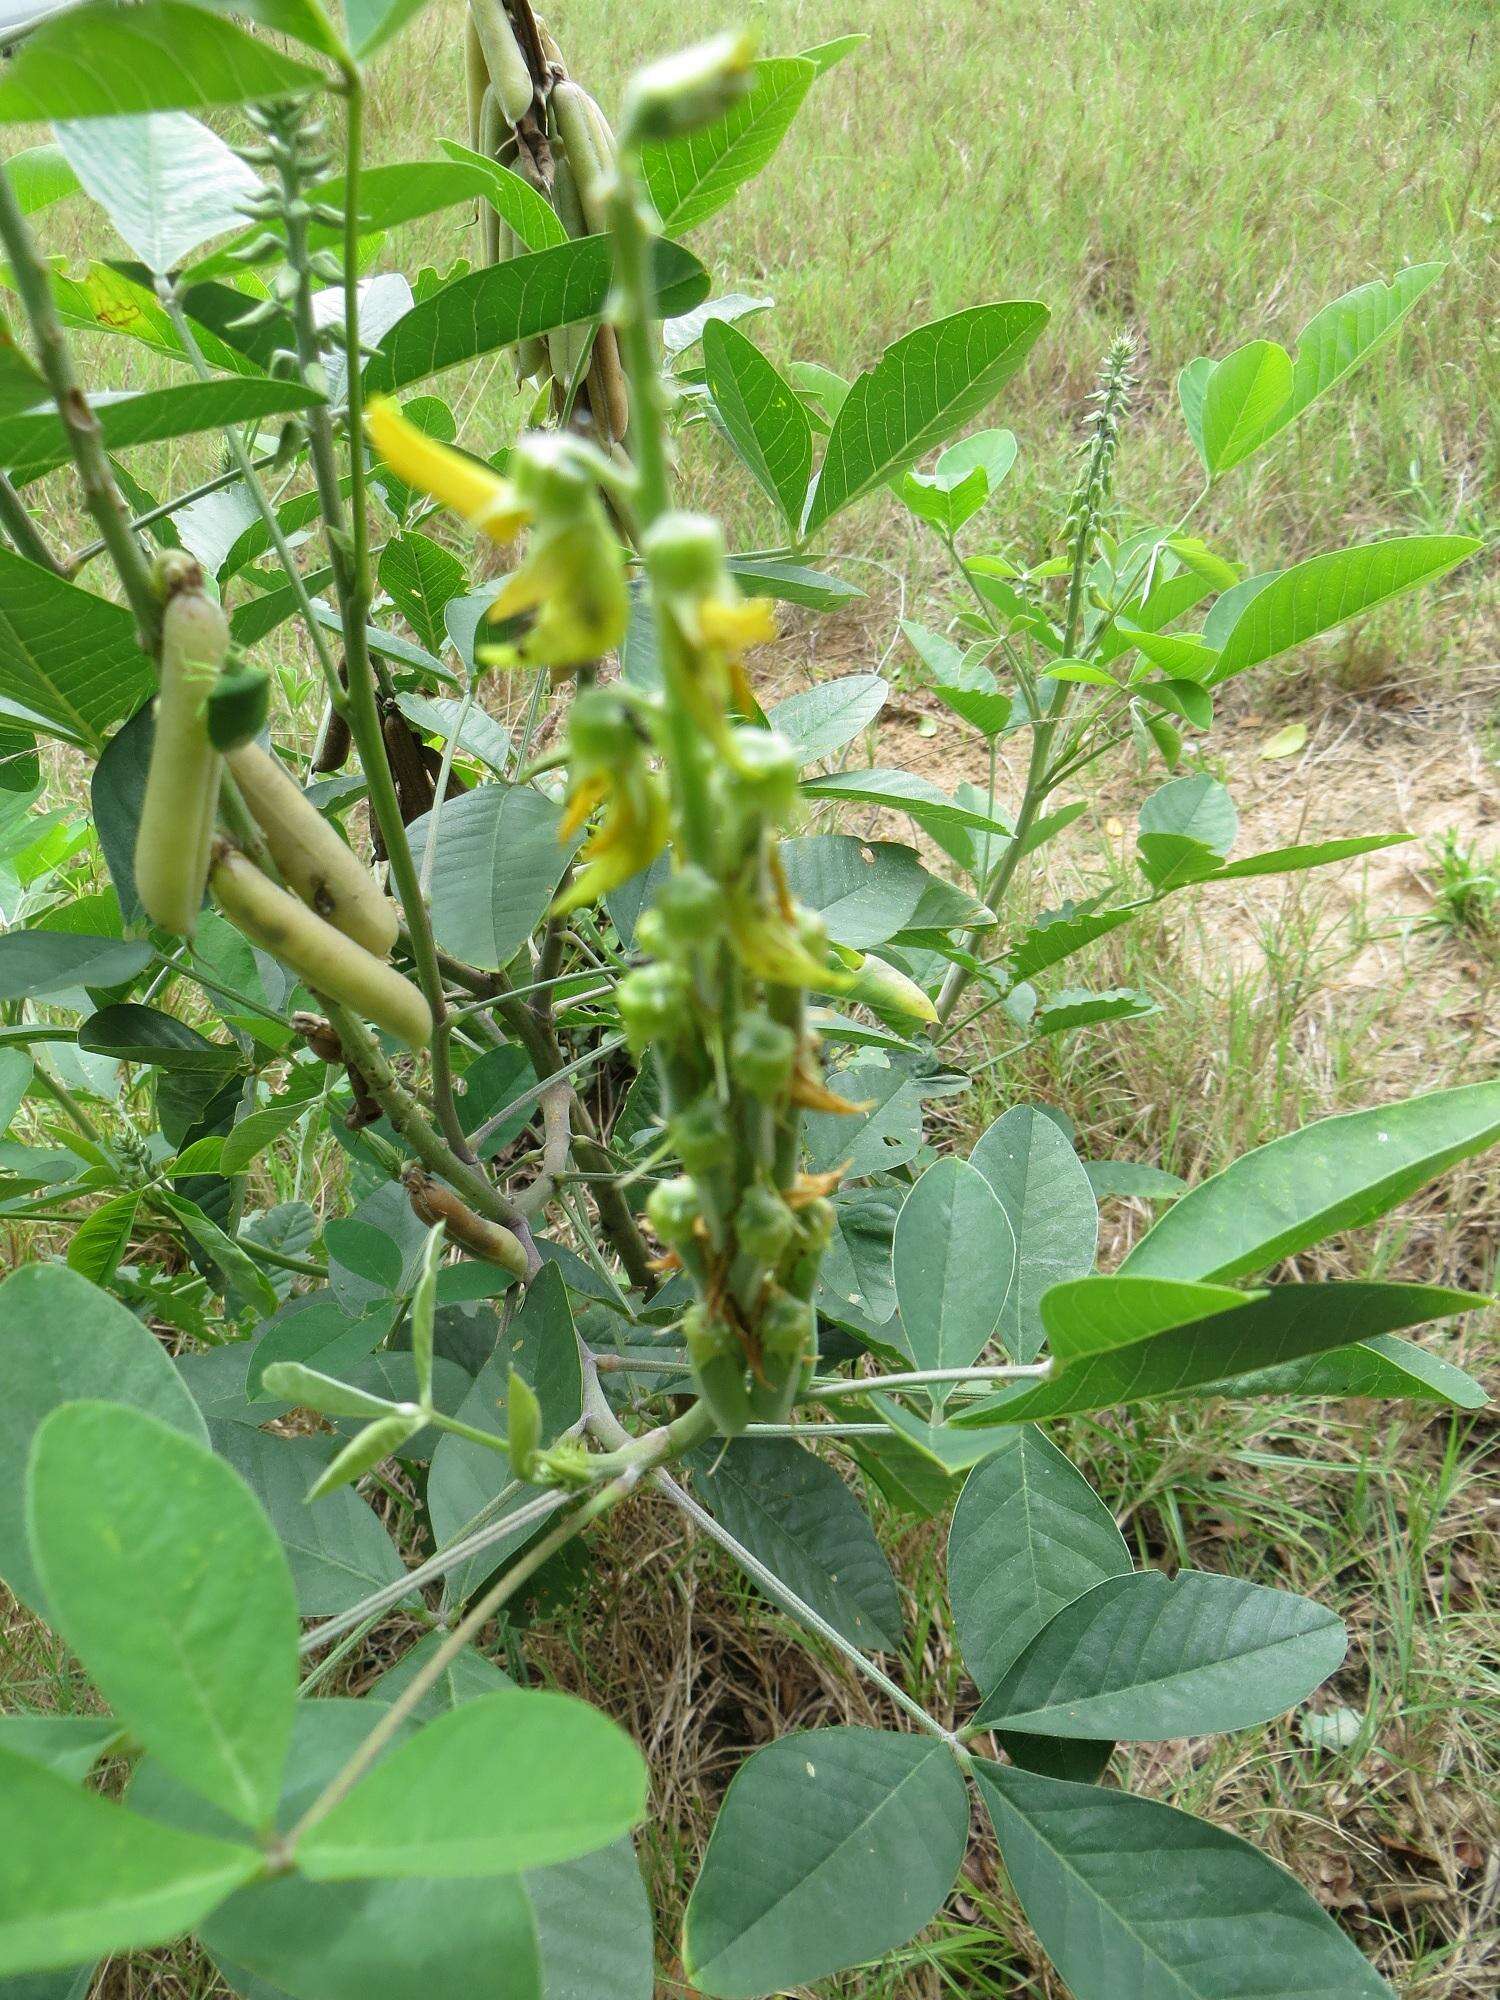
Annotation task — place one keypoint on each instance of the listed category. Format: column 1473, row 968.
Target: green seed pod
column 565, row 347
column 311, row 854
column 761, row 1055
column 510, row 79
column 788, row 1335
column 328, row 961
column 685, row 554
column 476, row 80
column 176, row 827
column 690, row 904
column 523, row 1425
column 701, row 1135
column 764, row 1224
column 672, row 1209
column 718, row 1362
column 653, row 1002
column 575, row 128
column 763, row 771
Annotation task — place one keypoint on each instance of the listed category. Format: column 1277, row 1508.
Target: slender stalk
column 175, row 505
column 23, row 531
column 917, row 1378
column 80, row 425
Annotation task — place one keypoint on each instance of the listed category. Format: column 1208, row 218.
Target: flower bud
column 764, row 1224
column 673, row 1208
column 764, row 771
column 653, row 1002
column 701, row 1136
column 690, row 905
column 761, row 1055
column 690, row 89
column 685, row 554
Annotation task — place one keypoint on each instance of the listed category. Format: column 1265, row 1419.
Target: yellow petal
column 485, row 500
column 738, row 625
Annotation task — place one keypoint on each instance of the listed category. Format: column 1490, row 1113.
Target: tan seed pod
column 322, row 957
column 510, row 79
column 182, row 784
column 432, row 1202
column 311, row 855
column 609, row 398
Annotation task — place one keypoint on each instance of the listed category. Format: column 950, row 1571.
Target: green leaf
column 166, row 1579
column 1029, row 1535
column 1241, row 399
column 903, row 792
column 421, row 578
column 865, row 891
column 40, row 175
column 793, row 583
column 961, row 482
column 1132, row 1179
column 465, row 1477
column 831, row 1848
column 167, row 183
column 371, row 23
column 1292, row 860
column 1192, row 386
column 691, row 176
column 1199, row 808
column 99, row 1241
column 499, row 862
column 1078, row 1009
column 62, row 1338
column 252, row 1135
column 1145, row 1658
column 70, row 659
column 390, row 1940
column 924, row 387
column 514, row 1780
column 1336, row 340
column 763, row 416
column 822, row 719
column 81, row 1877
column 1316, row 596
column 67, row 1745
column 34, row 440
column 1384, row 1367
column 1135, row 1901
column 1286, row 1324
column 241, row 1274
column 798, row 1517
column 1336, row 1174
column 132, row 1033
column 102, row 61
column 593, row 1923
column 885, row 1136
column 1096, row 1314
column 335, row 1547
column 1058, row 934
column 36, row 965
column 954, row 1259
column 532, row 217
column 504, row 303
column 1040, row 1183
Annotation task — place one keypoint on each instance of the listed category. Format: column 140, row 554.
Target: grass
column 1202, row 176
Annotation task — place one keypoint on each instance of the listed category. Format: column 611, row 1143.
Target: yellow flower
column 735, row 625
column 488, row 502
column 634, row 830
column 574, row 580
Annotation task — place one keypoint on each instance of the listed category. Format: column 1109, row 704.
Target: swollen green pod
column 510, row 79
column 476, row 78
column 575, row 128
column 325, row 959
column 566, row 345
column 311, row 855
column 182, row 785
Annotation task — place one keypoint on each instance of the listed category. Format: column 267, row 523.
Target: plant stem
column 23, row 531
column 80, row 425
column 916, row 1378
column 175, row 505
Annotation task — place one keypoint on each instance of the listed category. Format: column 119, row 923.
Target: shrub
column 625, row 1067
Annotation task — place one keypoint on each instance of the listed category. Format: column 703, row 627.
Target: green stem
column 23, row 531
column 80, row 426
